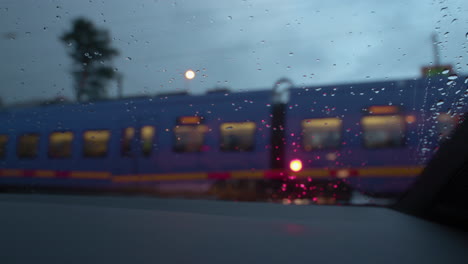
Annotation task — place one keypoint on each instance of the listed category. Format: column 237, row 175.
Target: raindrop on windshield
column 441, row 102
column 453, row 77
column 445, row 71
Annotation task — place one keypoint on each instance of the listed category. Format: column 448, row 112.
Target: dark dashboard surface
column 87, row 229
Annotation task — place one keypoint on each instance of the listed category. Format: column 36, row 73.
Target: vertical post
column 280, row 98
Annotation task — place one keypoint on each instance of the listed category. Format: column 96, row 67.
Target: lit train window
column 127, row 138
column 189, row 138
column 95, row 143
column 3, row 144
column 445, row 125
column 60, row 144
column 147, row 135
column 237, row 136
column 383, row 131
column 28, row 146
column 321, row 133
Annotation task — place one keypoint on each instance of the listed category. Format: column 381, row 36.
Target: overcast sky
column 245, row 45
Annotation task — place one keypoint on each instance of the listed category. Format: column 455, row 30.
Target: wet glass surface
column 291, row 102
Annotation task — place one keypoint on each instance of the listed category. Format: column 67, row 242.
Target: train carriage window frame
column 244, row 143
column 126, row 141
column 89, row 152
column 4, row 138
column 147, row 139
column 385, row 120
column 190, row 124
column 28, row 152
column 68, row 149
column 334, row 124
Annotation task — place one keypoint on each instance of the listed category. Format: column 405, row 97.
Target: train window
column 147, row 135
column 127, row 138
column 189, row 138
column 3, row 144
column 60, row 144
column 383, row 131
column 237, row 136
column 321, row 133
column 28, row 146
column 445, row 124
column 95, row 143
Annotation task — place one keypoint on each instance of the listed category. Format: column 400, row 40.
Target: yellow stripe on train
column 390, row 171
column 11, row 172
column 366, row 172
column 44, row 173
column 103, row 175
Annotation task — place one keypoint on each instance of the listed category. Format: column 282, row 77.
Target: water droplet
column 291, row 53
column 445, row 71
column 466, row 80
column 128, row 58
column 453, row 77
column 229, row 17
column 229, row 127
column 450, row 82
column 441, row 102
column 466, row 35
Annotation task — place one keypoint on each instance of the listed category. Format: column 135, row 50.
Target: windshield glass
column 295, row 102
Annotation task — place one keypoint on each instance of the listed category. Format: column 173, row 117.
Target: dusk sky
column 243, row 45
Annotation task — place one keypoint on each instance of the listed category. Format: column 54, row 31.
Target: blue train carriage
column 373, row 137
column 161, row 143
column 66, row 145
column 215, row 144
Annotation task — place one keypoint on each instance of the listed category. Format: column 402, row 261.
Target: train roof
column 215, row 96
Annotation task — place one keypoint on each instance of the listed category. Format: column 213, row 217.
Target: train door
column 126, row 162
column 146, row 146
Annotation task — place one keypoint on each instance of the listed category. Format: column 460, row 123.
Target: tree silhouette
column 91, row 52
